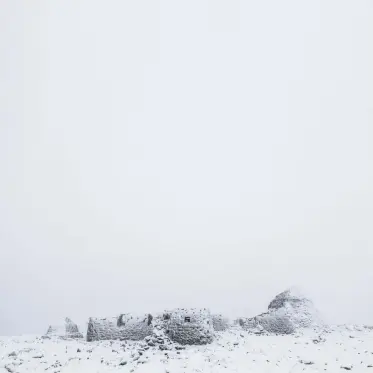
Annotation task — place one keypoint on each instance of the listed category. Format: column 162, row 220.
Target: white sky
column 184, row 153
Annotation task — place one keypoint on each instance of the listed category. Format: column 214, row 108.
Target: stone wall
column 67, row 330
column 219, row 322
column 135, row 328
column 184, row 326
column 268, row 323
column 72, row 330
column 189, row 326
column 103, row 329
column 124, row 327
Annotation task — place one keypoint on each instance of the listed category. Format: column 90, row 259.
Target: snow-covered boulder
column 124, row 327
column 288, row 312
column 189, row 326
column 299, row 309
column 66, row 330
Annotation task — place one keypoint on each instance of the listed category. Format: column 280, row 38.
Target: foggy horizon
column 211, row 153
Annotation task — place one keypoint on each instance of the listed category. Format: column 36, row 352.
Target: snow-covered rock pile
column 125, row 327
column 68, row 330
column 288, row 312
column 160, row 339
column 299, row 309
column 190, row 326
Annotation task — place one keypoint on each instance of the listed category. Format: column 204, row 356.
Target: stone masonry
column 189, row 326
column 67, row 330
column 124, row 327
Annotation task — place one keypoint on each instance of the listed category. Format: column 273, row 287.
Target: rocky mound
column 67, row 330
column 288, row 312
column 299, row 309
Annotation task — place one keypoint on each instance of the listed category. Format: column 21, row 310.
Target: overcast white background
column 184, row 153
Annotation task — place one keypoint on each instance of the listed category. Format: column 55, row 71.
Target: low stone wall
column 124, row 327
column 270, row 323
column 135, row 328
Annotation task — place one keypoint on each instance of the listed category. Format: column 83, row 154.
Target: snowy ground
column 233, row 351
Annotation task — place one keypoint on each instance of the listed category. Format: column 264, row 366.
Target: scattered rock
column 38, row 356
column 306, row 362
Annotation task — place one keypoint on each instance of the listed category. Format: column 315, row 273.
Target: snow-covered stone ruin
column 124, row 327
column 189, row 326
column 66, row 330
column 182, row 326
column 288, row 312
